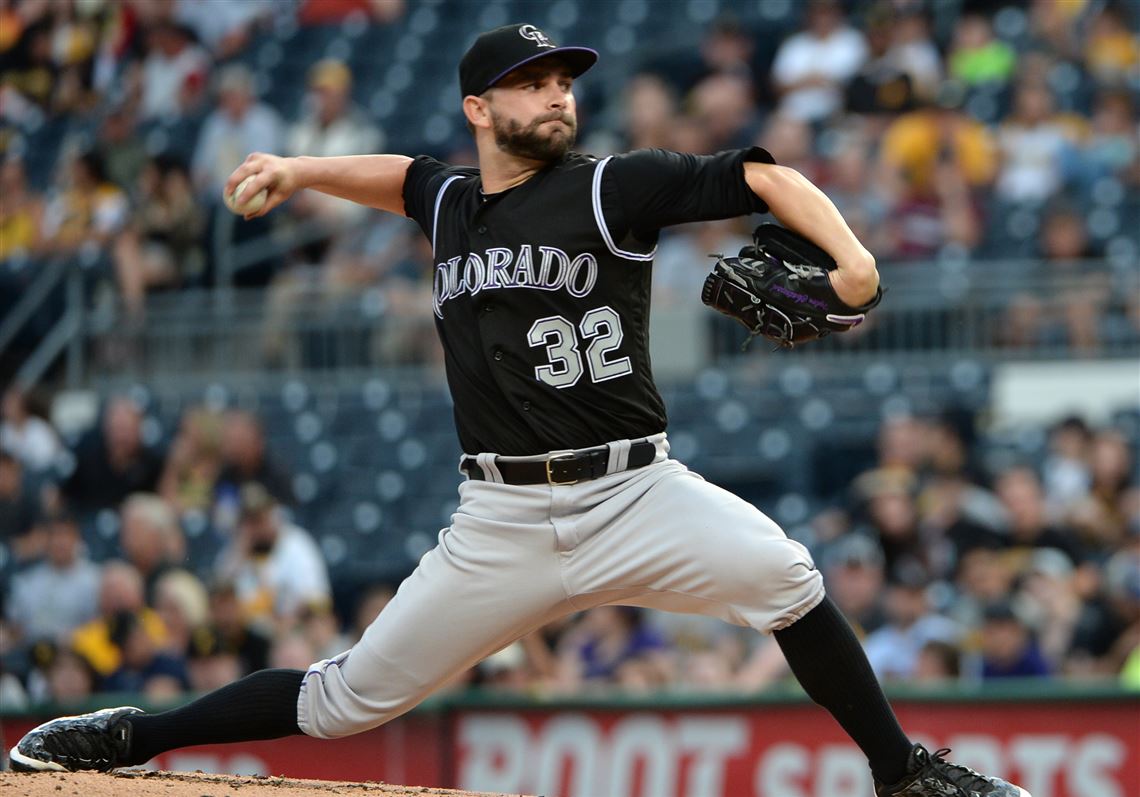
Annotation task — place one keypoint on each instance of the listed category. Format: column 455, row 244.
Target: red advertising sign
column 1085, row 748
column 1052, row 750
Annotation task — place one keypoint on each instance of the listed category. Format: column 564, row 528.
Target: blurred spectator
column 1110, row 622
column 211, row 663
column 121, row 146
column 25, row 434
column 194, row 462
column 112, row 461
column 1031, row 141
column 332, row 125
column 938, row 663
column 791, row 142
column 120, row 592
column 612, row 644
column 173, row 73
column 1112, row 48
column 985, row 576
column 976, row 57
column 88, row 211
column 184, row 605
column 238, row 126
column 144, row 667
column 292, row 650
column 1065, row 472
column 849, row 180
column 275, row 565
column 886, row 498
column 28, row 75
column 368, row 608
column 162, row 247
column 70, row 679
column 151, row 538
column 916, row 143
column 1050, row 601
column 724, row 106
column 245, row 459
column 1110, row 149
column 650, row 110
column 1020, row 492
column 232, row 630
column 853, row 572
column 18, row 510
column 320, row 627
column 224, row 28
column 812, row 66
column 882, row 87
column 893, row 649
column 933, row 160
column 1009, row 649
column 1102, row 519
column 324, row 12
column 51, row 599
column 21, row 213
column 914, row 52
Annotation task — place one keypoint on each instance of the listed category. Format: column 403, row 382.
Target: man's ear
column 477, row 111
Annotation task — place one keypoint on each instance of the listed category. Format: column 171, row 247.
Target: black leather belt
column 568, row 468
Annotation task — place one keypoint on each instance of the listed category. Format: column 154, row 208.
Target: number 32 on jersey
column 601, row 332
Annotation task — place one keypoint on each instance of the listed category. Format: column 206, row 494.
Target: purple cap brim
column 576, row 68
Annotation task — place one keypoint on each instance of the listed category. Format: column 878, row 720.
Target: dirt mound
column 198, row 784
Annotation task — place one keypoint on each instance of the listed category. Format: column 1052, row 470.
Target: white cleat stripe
column 14, row 755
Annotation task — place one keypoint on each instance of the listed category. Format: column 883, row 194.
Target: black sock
column 829, row 662
column 263, row 705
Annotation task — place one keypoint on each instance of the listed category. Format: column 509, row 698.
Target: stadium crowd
column 951, row 569
column 941, row 130
column 930, row 125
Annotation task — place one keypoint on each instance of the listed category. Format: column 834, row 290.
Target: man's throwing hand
column 275, row 175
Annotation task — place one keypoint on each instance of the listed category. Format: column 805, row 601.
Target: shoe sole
column 22, row 763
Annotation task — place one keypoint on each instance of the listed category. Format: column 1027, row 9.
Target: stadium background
column 964, row 467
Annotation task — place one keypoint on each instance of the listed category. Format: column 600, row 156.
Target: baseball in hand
column 251, row 204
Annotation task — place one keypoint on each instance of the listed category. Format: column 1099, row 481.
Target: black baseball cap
column 498, row 51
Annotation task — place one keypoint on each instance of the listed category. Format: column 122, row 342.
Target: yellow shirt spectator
column 914, row 142
column 93, row 641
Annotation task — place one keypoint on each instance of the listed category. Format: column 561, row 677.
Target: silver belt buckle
column 550, row 476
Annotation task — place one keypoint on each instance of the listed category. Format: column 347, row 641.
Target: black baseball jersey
column 541, row 292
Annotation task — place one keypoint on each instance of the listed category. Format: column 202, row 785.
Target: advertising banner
column 1052, row 750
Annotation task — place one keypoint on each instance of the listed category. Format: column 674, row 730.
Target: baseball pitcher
column 541, row 287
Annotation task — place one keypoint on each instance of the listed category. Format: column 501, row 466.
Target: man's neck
column 501, row 171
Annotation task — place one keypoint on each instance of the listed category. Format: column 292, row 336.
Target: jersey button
column 526, row 406
column 482, row 229
column 488, row 308
column 498, row 355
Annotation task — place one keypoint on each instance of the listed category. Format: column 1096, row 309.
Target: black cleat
column 932, row 776
column 98, row 741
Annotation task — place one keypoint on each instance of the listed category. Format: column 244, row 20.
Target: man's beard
column 529, row 142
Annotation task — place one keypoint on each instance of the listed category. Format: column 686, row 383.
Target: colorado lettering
column 499, row 267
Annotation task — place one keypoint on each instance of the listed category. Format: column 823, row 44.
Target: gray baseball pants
column 519, row 556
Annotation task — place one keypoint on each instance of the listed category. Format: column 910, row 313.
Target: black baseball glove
column 778, row 287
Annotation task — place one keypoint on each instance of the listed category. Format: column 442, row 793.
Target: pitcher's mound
column 197, row 784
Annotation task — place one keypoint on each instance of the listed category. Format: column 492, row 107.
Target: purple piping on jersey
column 555, row 51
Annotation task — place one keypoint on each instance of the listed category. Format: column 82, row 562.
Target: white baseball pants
column 519, row 556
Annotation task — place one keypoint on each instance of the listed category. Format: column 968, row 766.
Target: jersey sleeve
column 423, row 182
column 645, row 190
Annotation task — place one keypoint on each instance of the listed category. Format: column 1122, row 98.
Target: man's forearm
column 801, row 206
column 373, row 180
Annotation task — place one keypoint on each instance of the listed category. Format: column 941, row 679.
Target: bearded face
column 547, row 138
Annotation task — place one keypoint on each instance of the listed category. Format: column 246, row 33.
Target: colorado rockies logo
column 535, row 35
